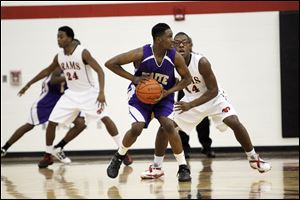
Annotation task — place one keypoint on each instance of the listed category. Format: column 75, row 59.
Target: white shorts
column 217, row 109
column 71, row 104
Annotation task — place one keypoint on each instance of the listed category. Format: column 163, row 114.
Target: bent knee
column 169, row 128
column 234, row 124
column 80, row 123
column 137, row 129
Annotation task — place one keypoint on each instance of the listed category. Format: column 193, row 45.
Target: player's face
column 167, row 39
column 183, row 45
column 62, row 39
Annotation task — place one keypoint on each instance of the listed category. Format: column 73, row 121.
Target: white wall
column 243, row 49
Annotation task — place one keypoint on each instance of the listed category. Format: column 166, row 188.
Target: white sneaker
column 152, row 173
column 60, row 155
column 257, row 163
column 3, row 152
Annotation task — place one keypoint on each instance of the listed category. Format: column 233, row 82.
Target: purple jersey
column 43, row 106
column 164, row 74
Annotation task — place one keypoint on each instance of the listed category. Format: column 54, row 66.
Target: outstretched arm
column 114, row 64
column 45, row 72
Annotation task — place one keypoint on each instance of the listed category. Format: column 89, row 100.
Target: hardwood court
column 223, row 177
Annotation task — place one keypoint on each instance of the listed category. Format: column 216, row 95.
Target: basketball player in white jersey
column 82, row 96
column 52, row 88
column 203, row 98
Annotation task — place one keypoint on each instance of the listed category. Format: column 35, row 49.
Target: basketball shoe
column 114, row 165
column 152, row 173
column 60, row 155
column 184, row 173
column 3, row 152
column 127, row 160
column 257, row 163
column 208, row 152
column 46, row 161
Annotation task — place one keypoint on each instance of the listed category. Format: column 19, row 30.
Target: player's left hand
column 163, row 94
column 101, row 102
column 182, row 106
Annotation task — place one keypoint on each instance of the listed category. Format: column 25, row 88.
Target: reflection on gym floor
column 222, row 177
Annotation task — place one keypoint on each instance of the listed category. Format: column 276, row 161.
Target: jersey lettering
column 161, row 78
column 196, row 80
column 70, row 65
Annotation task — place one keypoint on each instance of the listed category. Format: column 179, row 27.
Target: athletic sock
column 61, row 144
column 180, row 158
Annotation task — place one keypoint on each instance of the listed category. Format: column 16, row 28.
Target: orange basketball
column 149, row 90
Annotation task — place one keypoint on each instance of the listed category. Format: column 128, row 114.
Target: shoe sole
column 152, row 177
column 45, row 165
column 110, row 176
column 127, row 164
column 187, row 180
column 61, row 160
column 261, row 171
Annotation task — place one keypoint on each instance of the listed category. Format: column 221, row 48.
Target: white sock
column 118, row 140
column 180, row 158
column 122, row 150
column 49, row 149
column 251, row 153
column 158, row 161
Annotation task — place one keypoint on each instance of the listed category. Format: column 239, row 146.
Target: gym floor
column 228, row 176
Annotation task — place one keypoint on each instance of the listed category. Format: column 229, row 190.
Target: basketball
column 149, row 90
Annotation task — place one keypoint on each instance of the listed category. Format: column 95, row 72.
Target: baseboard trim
column 151, row 151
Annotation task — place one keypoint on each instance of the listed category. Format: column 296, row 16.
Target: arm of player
column 205, row 70
column 114, row 64
column 45, row 72
column 56, row 77
column 184, row 73
column 87, row 57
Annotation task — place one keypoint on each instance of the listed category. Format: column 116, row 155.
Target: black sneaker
column 209, row 153
column 3, row 152
column 114, row 165
column 184, row 173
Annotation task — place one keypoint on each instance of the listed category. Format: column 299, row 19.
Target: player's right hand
column 137, row 79
column 23, row 90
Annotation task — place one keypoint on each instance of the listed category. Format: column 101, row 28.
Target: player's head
column 65, row 36
column 183, row 44
column 162, row 35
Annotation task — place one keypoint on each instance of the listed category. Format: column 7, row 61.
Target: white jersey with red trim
column 78, row 75
column 198, row 87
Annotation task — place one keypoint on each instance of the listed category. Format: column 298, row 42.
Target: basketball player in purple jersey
column 204, row 98
column 52, row 88
column 156, row 61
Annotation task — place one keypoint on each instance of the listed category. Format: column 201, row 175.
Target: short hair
column 183, row 33
column 69, row 31
column 159, row 29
